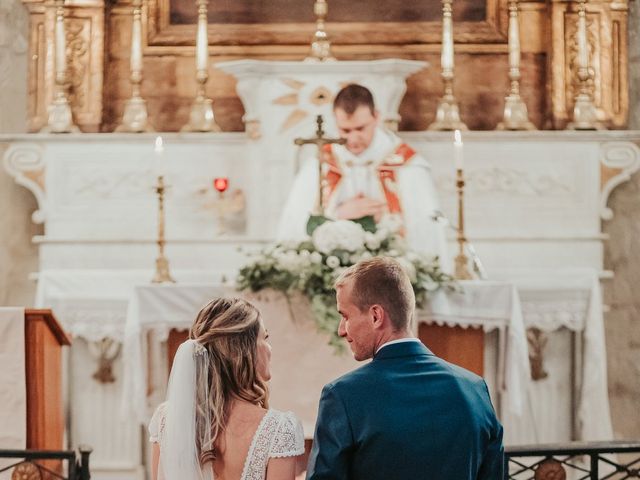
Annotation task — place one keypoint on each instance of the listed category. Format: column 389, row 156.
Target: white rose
column 409, row 268
column 391, row 223
column 333, row 261
column 371, row 241
column 365, row 256
column 341, row 234
column 315, row 257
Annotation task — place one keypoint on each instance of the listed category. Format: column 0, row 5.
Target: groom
column 407, row 414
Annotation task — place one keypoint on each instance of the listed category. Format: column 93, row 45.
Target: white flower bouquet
column 310, row 267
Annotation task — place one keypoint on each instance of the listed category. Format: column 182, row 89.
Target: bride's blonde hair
column 228, row 328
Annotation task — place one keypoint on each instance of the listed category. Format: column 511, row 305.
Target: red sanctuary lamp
column 221, row 184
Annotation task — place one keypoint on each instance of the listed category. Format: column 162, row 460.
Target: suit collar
column 404, row 349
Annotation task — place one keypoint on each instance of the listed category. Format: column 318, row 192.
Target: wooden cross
column 320, row 141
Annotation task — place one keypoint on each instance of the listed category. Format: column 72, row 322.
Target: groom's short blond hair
column 381, row 281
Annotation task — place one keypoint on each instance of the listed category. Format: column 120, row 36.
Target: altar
column 534, row 205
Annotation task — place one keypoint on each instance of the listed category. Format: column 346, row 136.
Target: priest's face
column 356, row 326
column 358, row 128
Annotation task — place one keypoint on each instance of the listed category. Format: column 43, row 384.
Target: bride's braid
column 228, row 328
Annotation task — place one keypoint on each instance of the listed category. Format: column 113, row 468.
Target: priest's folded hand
column 361, row 206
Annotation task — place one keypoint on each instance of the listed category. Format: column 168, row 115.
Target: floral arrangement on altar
column 311, row 266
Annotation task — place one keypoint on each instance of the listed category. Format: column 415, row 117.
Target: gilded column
column 84, row 51
column 606, row 42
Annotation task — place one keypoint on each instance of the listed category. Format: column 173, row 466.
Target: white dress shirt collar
column 400, row 340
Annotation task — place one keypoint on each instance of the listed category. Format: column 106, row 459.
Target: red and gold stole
column 386, row 174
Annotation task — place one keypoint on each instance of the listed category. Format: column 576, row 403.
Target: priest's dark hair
column 353, row 96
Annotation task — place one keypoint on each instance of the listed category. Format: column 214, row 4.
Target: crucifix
column 320, row 141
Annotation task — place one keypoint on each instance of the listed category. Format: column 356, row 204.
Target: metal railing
column 41, row 464
column 616, row 460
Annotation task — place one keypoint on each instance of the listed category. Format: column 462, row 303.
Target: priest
column 374, row 173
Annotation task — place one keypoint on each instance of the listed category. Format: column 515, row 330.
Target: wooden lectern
column 461, row 346
column 44, row 339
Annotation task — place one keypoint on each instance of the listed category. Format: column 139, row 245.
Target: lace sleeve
column 289, row 439
column 156, row 425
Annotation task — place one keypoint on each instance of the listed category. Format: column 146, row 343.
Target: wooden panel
column 176, row 337
column 286, row 11
column 461, row 346
column 43, row 369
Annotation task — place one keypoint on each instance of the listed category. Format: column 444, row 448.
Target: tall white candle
column 514, row 37
column 458, row 158
column 446, row 59
column 158, row 149
column 136, row 40
column 61, row 46
column 202, row 51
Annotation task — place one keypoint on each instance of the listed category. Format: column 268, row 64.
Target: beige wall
column 18, row 256
column 622, row 255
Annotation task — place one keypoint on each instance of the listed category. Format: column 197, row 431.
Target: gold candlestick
column 461, row 260
column 585, row 116
column 201, row 118
column 162, row 274
column 448, row 114
column 516, row 116
column 321, row 45
column 135, row 117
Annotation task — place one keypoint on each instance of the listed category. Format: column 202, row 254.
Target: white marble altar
column 534, row 205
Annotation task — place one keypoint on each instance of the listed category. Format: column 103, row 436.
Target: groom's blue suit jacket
column 407, row 415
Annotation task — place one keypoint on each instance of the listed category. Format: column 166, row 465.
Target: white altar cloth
column 13, row 394
column 302, row 361
column 573, row 300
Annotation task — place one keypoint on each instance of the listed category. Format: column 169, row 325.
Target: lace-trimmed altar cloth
column 278, row 435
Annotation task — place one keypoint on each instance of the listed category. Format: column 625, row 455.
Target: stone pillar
column 84, row 24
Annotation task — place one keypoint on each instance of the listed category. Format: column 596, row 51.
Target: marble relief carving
column 593, row 44
column 618, row 161
column 25, row 163
column 511, row 181
column 77, row 62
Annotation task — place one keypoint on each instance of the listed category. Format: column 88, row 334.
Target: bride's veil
column 187, row 428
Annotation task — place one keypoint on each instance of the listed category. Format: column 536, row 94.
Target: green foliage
column 311, row 266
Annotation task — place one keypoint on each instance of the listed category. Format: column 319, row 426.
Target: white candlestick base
column 60, row 119
column 135, row 118
column 201, row 118
column 516, row 116
column 448, row 115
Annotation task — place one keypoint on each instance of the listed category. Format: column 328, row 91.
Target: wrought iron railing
column 48, row 464
column 574, row 461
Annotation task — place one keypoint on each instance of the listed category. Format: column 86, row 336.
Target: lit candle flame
column 159, row 148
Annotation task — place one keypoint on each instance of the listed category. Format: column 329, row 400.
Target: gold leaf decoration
column 294, row 118
column 321, row 96
column 295, row 84
column 288, row 99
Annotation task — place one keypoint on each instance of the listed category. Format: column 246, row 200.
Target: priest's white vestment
column 361, row 175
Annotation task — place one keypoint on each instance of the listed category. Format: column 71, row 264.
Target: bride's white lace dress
column 279, row 434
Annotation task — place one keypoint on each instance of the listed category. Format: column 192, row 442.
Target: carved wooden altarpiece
column 99, row 34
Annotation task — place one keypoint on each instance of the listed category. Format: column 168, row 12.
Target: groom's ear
column 377, row 315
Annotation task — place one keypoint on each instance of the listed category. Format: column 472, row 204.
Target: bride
column 216, row 422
